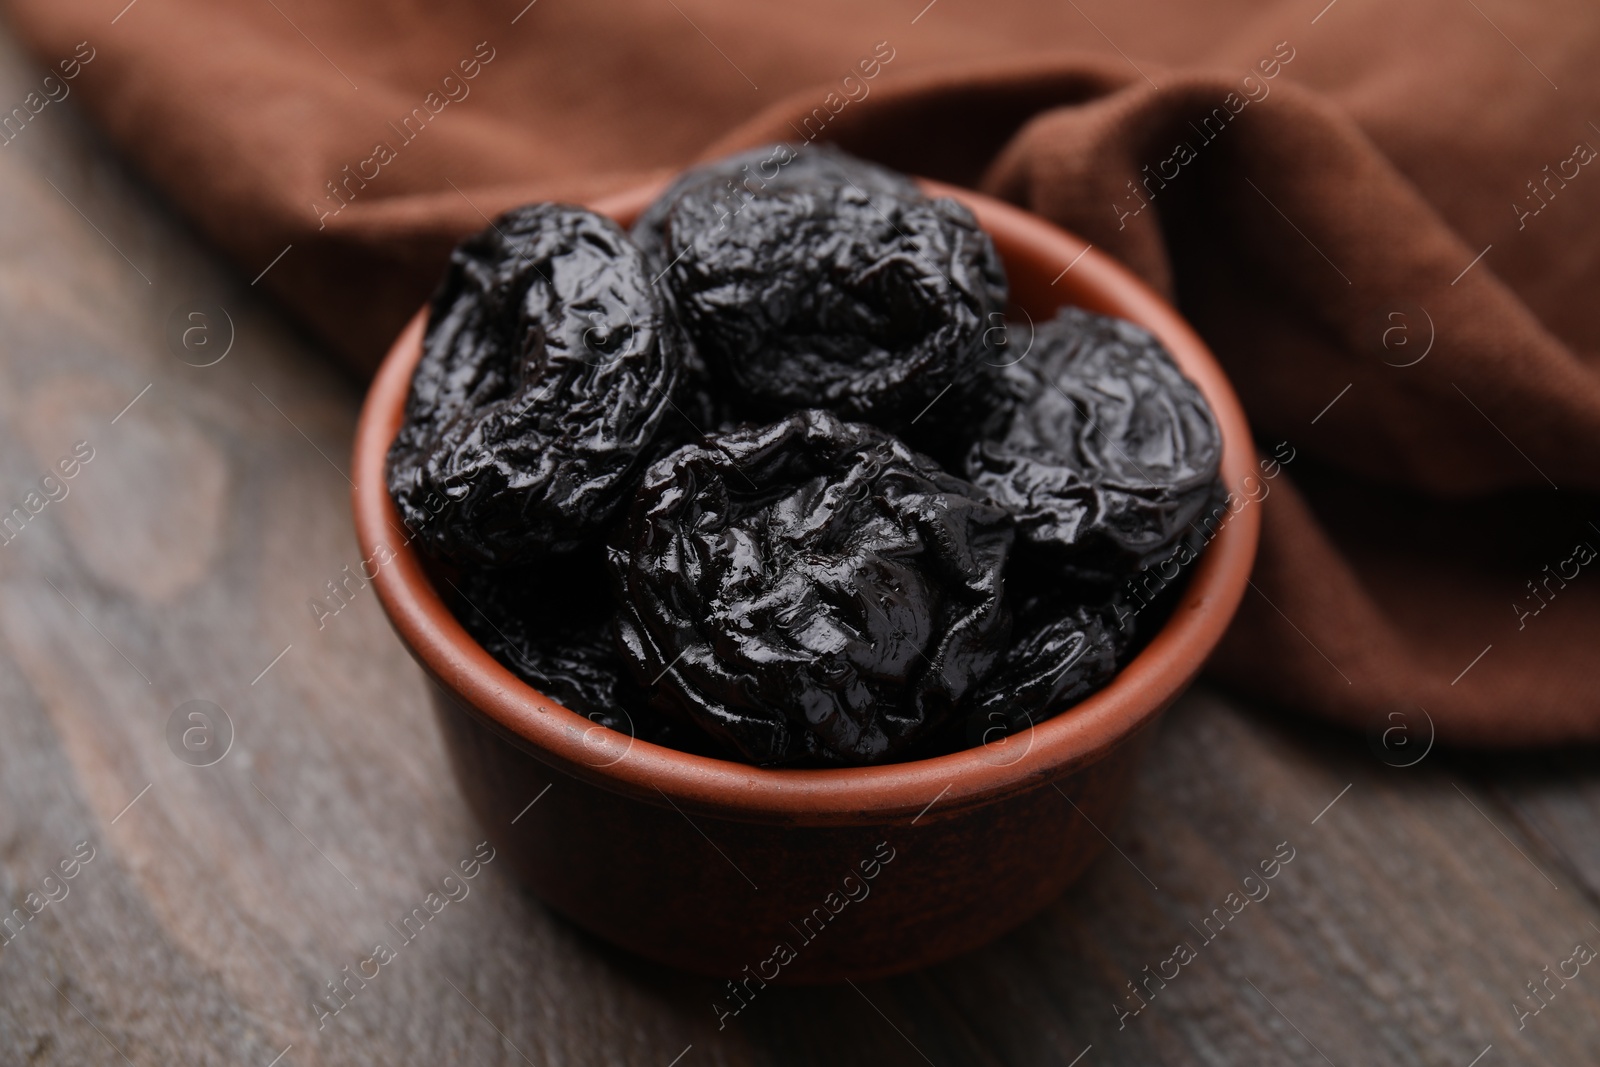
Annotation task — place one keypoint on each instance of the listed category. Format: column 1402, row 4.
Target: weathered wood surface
column 221, row 899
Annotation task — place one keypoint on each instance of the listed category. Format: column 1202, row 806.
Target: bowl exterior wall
column 769, row 902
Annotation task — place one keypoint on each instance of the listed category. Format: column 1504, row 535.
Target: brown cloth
column 1382, row 217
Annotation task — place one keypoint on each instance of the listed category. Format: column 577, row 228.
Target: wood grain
column 218, row 906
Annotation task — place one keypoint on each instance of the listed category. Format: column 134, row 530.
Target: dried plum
column 559, row 643
column 813, row 590
column 1110, row 452
column 735, row 178
column 871, row 305
column 549, row 629
column 1070, row 637
column 810, row 590
column 549, row 363
column 1147, row 596
column 1060, row 652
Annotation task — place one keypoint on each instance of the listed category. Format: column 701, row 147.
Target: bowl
column 762, row 875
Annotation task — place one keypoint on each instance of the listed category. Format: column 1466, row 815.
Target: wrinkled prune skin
column 1071, row 635
column 549, row 628
column 871, row 305
column 551, row 631
column 1060, row 652
column 775, row 166
column 811, row 590
column 549, row 363
column 1109, row 453
column 1149, row 595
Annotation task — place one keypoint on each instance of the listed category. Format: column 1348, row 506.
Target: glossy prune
column 1071, row 635
column 1060, row 652
column 810, row 590
column 871, row 305
column 1148, row 595
column 549, row 364
column 550, row 629
column 1109, row 452
column 734, row 179
column 555, row 635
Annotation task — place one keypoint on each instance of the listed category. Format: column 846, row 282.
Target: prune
column 1061, row 652
column 871, row 305
column 1148, row 595
column 813, row 590
column 549, row 363
column 810, row 590
column 1071, row 635
column 550, row 629
column 559, row 643
column 735, row 178
column 1110, row 452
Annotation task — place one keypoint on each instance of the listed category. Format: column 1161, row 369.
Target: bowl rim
column 958, row 781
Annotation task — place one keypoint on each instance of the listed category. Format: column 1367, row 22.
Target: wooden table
column 217, row 901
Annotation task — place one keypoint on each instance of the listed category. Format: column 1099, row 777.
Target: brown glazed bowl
column 771, row 875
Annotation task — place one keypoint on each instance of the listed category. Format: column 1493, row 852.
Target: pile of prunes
column 770, row 478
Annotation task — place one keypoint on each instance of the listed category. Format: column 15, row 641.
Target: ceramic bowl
column 779, row 875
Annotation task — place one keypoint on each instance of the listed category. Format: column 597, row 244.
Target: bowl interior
column 1047, row 268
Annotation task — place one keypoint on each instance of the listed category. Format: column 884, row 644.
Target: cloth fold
column 1382, row 219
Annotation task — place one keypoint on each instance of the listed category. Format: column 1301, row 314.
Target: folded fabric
column 1381, row 217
